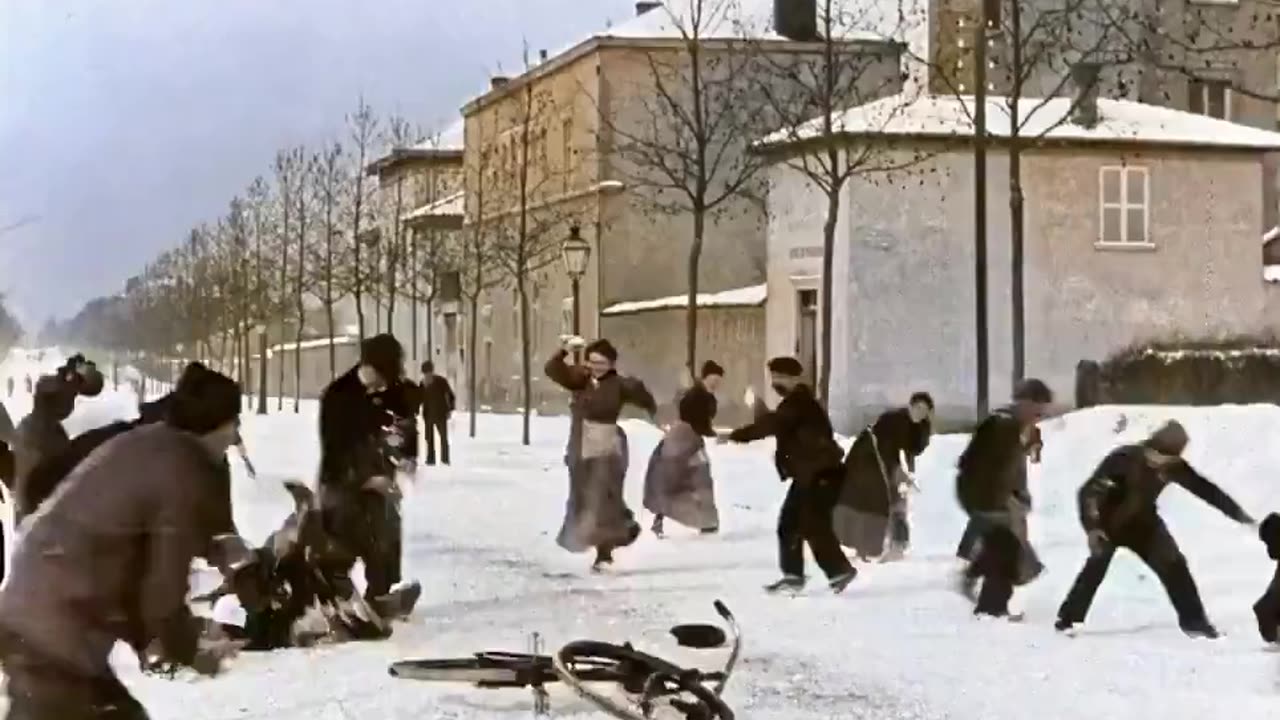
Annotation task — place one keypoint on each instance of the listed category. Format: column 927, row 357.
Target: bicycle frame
column 617, row 709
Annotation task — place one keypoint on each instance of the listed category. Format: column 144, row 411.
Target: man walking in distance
column 808, row 455
column 437, row 405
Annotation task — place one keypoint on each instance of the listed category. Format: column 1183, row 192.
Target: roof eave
column 436, row 221
column 790, row 146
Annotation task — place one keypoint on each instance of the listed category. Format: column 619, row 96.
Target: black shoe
column 710, row 531
column 788, row 583
column 657, row 526
column 1063, row 626
column 1201, row 630
column 840, row 582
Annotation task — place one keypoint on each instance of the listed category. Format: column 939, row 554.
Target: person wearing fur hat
column 808, row 455
column 357, row 478
column 678, row 482
column 596, row 515
column 991, row 486
column 106, row 559
column 1267, row 609
column 1118, row 509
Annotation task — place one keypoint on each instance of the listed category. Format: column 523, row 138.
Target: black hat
column 1170, row 439
column 604, row 348
column 203, row 401
column 711, row 367
column 384, row 354
column 787, row 366
column 1033, row 390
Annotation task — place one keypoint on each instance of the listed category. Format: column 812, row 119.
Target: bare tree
column 805, row 93
column 477, row 256
column 303, row 193
column 328, row 255
column 689, row 153
column 363, row 127
column 530, row 241
column 259, row 197
column 286, row 168
column 400, row 134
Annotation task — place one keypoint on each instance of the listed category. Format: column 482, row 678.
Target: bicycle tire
column 500, row 670
column 684, row 680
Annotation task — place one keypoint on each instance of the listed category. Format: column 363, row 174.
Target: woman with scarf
column 596, row 515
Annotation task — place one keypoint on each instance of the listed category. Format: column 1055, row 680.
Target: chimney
column 796, row 19
column 542, row 56
column 645, row 6
column 1084, row 75
column 498, row 81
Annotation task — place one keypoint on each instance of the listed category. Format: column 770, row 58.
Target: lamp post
column 177, row 365
column 576, row 253
column 262, row 367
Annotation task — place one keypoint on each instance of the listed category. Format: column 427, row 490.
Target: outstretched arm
column 635, row 393
column 1205, row 489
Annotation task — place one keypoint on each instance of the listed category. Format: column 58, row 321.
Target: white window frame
column 1123, row 172
column 1228, row 97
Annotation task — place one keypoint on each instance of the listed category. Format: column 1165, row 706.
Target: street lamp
column 261, row 330
column 177, row 364
column 576, row 253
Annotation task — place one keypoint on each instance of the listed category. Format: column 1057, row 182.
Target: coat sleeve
column 339, row 432
column 1205, row 489
column 767, row 425
column 1111, row 474
column 175, row 535
column 450, row 400
column 557, row 371
column 635, row 393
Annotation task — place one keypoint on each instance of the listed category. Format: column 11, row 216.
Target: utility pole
column 980, row 210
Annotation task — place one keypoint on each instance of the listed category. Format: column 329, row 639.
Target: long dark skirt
column 596, row 514
column 861, row 517
column 1029, row 565
column 678, row 482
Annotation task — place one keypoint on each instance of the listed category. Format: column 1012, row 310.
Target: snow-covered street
column 900, row 643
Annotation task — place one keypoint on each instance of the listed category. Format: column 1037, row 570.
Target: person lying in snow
column 294, row 591
column 1267, row 609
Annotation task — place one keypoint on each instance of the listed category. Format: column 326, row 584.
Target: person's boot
column 788, row 583
column 1201, row 629
column 604, row 557
column 894, row 553
column 967, row 585
column 840, row 582
column 1064, row 626
column 710, row 530
column 657, row 527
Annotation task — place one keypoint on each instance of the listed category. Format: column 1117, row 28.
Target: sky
column 124, row 123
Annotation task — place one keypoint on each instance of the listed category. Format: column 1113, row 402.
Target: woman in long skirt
column 874, row 497
column 678, row 483
column 596, row 515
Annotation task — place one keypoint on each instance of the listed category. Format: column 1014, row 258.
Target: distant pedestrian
column 438, row 403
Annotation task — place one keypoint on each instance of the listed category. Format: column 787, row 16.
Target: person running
column 1118, row 509
column 678, row 482
column 596, row 514
column 808, row 455
column 991, row 485
column 874, row 499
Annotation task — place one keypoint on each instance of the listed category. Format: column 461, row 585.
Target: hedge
column 1240, row 371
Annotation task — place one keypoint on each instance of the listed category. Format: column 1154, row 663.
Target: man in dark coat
column 357, row 478
column 808, row 455
column 437, row 405
column 991, row 485
column 1118, row 509
column 874, row 498
column 97, row 567
column 40, row 434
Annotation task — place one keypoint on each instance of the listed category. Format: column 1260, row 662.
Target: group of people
column 111, row 520
column 859, row 500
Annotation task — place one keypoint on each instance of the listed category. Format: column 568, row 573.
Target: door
column 807, row 333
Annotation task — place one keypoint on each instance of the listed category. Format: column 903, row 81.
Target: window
column 1210, row 97
column 1124, row 209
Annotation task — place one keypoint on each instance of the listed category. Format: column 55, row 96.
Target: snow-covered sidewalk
column 900, row 643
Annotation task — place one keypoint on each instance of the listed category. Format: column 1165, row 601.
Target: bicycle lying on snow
column 584, row 663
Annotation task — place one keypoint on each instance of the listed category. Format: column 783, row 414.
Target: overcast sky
column 123, row 123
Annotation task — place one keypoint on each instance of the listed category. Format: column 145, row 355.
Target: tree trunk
column 1017, row 293
column 413, row 297
column 393, row 258
column 691, row 318
column 300, row 306
column 824, row 298
column 472, row 333
column 526, row 360
column 357, row 281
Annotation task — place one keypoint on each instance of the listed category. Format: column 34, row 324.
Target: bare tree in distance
column 287, row 170
column 363, row 127
column 477, row 253
column 535, row 228
column 259, row 198
column 400, row 134
column 806, row 92
column 304, row 192
column 328, row 255
column 688, row 155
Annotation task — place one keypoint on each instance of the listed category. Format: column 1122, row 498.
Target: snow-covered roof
column 1271, row 273
column 312, row 344
column 451, row 138
column 751, row 19
column 1119, row 120
column 1271, row 234
column 751, row 296
column 454, row 204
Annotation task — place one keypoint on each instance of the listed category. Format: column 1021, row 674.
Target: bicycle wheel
column 635, row 669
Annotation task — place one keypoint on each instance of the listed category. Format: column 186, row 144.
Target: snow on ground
column 900, row 644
